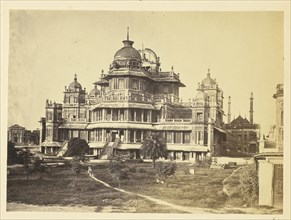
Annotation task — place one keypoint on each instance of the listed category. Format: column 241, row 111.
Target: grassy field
column 204, row 189
column 60, row 187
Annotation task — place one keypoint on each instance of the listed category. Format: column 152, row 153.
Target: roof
column 73, row 125
column 124, row 105
column 208, row 80
column 172, row 127
column 220, row 130
column 187, row 148
column 102, row 81
column 51, row 144
column 120, row 125
column 128, row 72
column 127, row 52
column 75, row 84
column 268, row 154
column 16, row 126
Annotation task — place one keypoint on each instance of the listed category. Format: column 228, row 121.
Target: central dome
column 127, row 52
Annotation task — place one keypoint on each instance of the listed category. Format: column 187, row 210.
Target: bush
column 77, row 147
column 248, row 189
column 163, row 170
column 203, row 163
column 118, row 170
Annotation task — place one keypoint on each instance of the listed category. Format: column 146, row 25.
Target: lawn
column 59, row 186
column 204, row 189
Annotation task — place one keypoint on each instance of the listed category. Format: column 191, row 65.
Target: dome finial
column 127, row 33
column 75, row 79
column 208, row 73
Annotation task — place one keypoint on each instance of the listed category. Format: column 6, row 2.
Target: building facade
column 242, row 134
column 270, row 158
column 135, row 97
column 20, row 136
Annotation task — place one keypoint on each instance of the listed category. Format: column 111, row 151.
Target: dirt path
column 224, row 189
column 158, row 201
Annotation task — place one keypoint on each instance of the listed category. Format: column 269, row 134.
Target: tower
column 251, row 108
column 229, row 112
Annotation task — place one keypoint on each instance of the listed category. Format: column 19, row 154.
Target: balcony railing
column 175, row 120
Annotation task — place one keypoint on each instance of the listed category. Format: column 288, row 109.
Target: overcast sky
column 244, row 51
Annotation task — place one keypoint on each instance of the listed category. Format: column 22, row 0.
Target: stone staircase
column 63, row 149
column 107, row 151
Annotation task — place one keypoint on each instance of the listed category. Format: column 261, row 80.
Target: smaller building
column 242, row 134
column 20, row 136
column 270, row 159
column 16, row 134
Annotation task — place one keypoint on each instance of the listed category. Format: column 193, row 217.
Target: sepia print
column 146, row 113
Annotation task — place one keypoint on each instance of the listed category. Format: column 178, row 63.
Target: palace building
column 135, row 97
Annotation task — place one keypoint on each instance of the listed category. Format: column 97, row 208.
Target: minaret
column 229, row 114
column 252, row 108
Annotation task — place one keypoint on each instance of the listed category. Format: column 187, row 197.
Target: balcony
column 175, row 120
column 75, row 120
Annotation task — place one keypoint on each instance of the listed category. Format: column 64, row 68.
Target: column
column 210, row 136
column 127, row 114
column 194, row 156
column 181, row 137
column 111, row 119
column 141, row 135
column 142, row 112
column 103, row 114
column 134, row 136
column 134, row 116
column 150, row 116
column 118, row 115
column 173, row 136
column 103, row 135
column 126, row 136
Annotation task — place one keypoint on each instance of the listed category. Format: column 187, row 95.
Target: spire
column 229, row 112
column 127, row 42
column 208, row 73
column 75, row 79
column 252, row 108
column 127, row 33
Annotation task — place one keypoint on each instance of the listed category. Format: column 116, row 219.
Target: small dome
column 75, row 84
column 201, row 96
column 208, row 80
column 94, row 92
column 127, row 52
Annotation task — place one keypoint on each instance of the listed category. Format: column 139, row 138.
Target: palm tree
column 154, row 146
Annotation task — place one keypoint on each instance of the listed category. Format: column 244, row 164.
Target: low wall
column 237, row 160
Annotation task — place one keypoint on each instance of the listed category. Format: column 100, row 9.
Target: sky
column 244, row 51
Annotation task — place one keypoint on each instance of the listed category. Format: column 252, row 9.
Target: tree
column 118, row 170
column 11, row 153
column 25, row 158
column 164, row 170
column 77, row 147
column 154, row 146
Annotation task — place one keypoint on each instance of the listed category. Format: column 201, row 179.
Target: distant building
column 270, row 158
column 133, row 98
column 16, row 134
column 242, row 134
column 20, row 136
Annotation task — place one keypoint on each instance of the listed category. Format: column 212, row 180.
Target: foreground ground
column 61, row 190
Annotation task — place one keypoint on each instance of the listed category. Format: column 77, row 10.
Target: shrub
column 77, row 147
column 248, row 188
column 163, row 170
column 118, row 170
